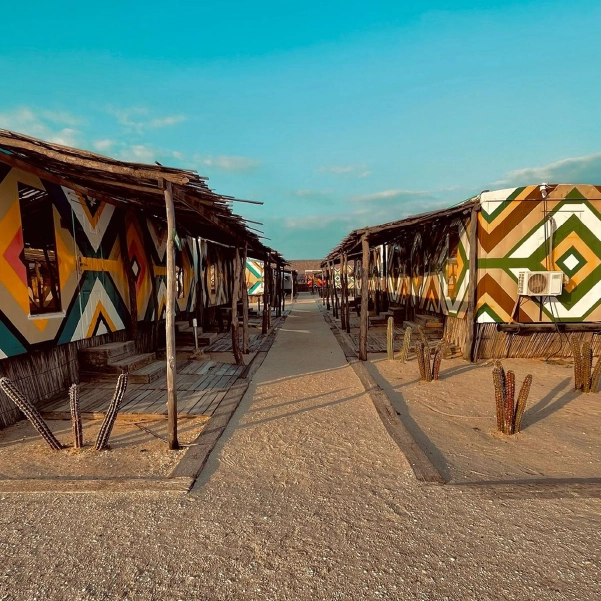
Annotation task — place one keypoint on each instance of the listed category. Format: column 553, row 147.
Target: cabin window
column 39, row 250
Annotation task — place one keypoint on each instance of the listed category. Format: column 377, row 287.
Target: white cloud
column 138, row 153
column 103, row 145
column 572, row 170
column 359, row 170
column 390, row 195
column 227, row 163
column 139, row 119
column 48, row 125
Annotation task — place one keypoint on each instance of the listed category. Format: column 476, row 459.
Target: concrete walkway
column 304, row 498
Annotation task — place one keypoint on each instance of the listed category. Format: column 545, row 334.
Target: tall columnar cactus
column 499, row 397
column 427, row 364
column 596, row 376
column 428, row 370
column 509, row 412
column 76, row 416
column 30, row 412
column 436, row 363
column 578, row 367
column 521, row 404
column 406, row 343
column 509, row 401
column 419, row 350
column 111, row 414
column 587, row 362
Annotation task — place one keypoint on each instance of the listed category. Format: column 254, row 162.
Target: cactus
column 419, row 351
column 521, row 403
column 76, row 416
column 587, row 361
column 596, row 376
column 406, row 342
column 111, row 414
column 30, row 412
column 436, row 363
column 509, row 402
column 427, row 365
column 578, row 367
column 499, row 397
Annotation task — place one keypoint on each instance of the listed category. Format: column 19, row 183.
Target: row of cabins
column 512, row 272
column 84, row 258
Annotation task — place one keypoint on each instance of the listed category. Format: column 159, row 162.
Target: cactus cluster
column 406, row 343
column 30, row 412
column 76, row 416
column 428, row 371
column 585, row 377
column 509, row 412
column 111, row 414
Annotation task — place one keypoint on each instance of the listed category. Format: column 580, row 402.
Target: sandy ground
column 135, row 452
column 305, row 498
column 454, row 421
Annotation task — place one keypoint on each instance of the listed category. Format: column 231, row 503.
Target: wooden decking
column 201, row 386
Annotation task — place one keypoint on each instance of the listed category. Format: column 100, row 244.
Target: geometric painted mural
column 78, row 285
column 520, row 231
column 432, row 277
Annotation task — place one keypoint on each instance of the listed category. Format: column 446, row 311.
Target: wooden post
column 347, row 304
column 170, row 325
column 235, row 294
column 470, row 315
column 342, row 294
column 327, row 283
column 364, row 298
column 390, row 339
column 200, row 300
column 335, row 290
column 245, row 340
column 266, row 309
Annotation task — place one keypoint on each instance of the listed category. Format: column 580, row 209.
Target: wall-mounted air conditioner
column 540, row 283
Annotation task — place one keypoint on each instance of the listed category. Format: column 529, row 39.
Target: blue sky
column 335, row 114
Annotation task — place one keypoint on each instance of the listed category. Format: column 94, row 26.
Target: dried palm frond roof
column 394, row 230
column 199, row 210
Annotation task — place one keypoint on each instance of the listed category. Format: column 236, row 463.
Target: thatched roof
column 199, row 210
column 394, row 230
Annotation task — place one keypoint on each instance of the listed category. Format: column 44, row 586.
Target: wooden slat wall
column 492, row 344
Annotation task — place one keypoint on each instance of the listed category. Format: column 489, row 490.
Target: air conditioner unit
column 540, row 283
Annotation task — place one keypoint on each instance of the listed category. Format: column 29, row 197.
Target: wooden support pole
column 347, row 304
column 390, row 339
column 364, row 298
column 235, row 294
column 266, row 291
column 470, row 315
column 170, row 322
column 342, row 295
column 335, row 291
column 200, row 300
column 245, row 339
column 327, row 282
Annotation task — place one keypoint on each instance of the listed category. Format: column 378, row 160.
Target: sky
column 335, row 114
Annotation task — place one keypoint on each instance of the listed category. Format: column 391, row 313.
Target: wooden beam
column 468, row 351
column 170, row 325
column 348, row 310
column 235, row 293
column 364, row 298
column 93, row 163
column 245, row 337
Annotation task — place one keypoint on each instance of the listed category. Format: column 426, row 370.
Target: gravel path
column 305, row 497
